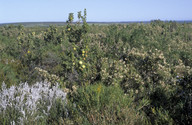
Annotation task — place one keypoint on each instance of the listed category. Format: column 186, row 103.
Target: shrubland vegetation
column 112, row 74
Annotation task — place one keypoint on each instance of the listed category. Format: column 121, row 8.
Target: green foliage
column 57, row 113
column 11, row 71
column 151, row 63
column 10, row 115
column 52, row 35
column 160, row 117
column 98, row 104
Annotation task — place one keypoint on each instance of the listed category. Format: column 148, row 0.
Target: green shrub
column 98, row 104
column 151, row 62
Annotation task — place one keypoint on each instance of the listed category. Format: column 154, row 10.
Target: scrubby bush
column 31, row 104
column 98, row 104
column 146, row 67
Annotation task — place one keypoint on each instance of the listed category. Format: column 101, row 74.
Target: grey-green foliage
column 26, row 104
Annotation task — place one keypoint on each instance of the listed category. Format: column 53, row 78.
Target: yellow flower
column 83, row 51
column 73, row 63
column 80, row 62
column 83, row 66
column 33, row 33
column 28, row 52
column 68, row 29
column 83, row 55
column 99, row 89
column 153, row 110
column 74, row 48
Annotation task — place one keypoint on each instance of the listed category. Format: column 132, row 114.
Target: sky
column 97, row 10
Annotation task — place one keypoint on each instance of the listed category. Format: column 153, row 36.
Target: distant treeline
column 46, row 24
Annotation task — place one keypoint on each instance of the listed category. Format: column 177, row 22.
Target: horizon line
column 97, row 21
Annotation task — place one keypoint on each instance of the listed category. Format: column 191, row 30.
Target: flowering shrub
column 149, row 62
column 52, row 35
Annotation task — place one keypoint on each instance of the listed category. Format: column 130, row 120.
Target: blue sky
column 97, row 10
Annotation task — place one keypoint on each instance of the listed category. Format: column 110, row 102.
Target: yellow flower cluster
column 81, row 63
column 84, row 54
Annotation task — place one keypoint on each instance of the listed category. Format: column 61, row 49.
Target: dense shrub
column 27, row 104
column 143, row 70
column 98, row 104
